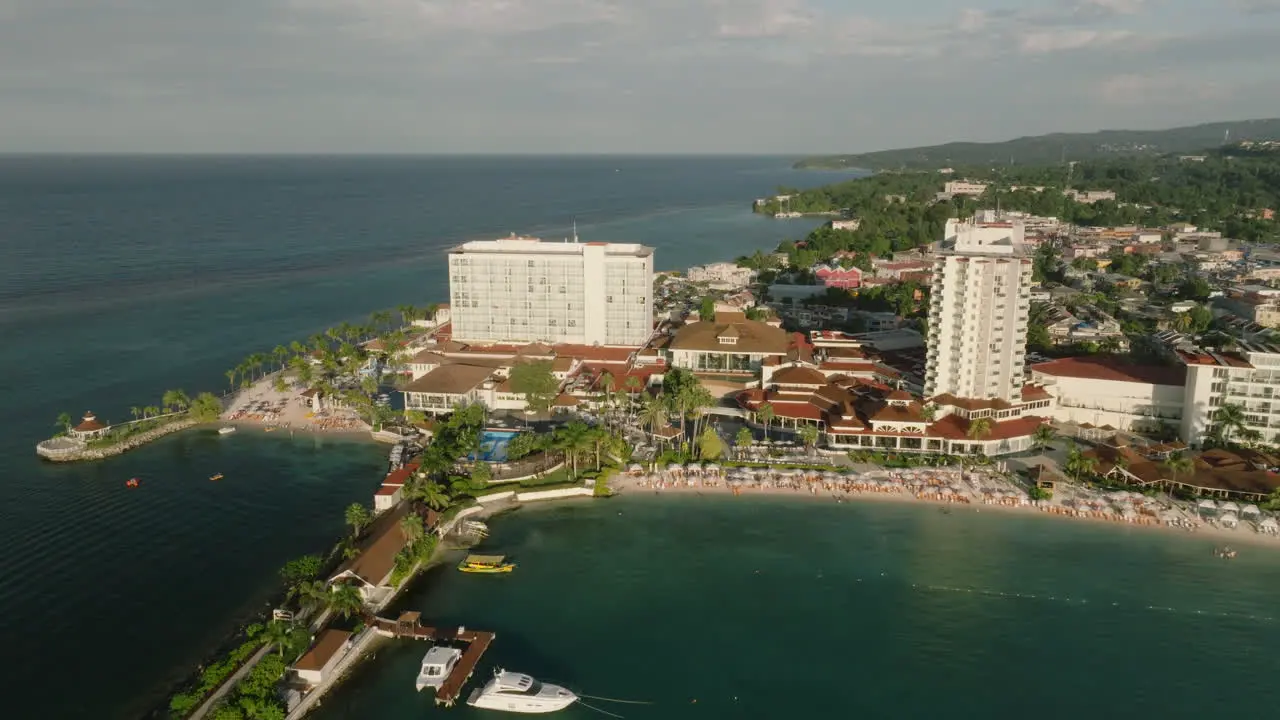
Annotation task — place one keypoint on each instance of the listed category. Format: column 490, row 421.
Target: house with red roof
column 838, row 277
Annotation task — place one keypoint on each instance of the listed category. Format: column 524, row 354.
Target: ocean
column 121, row 277
column 724, row 607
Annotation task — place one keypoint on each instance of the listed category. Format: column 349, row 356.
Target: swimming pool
column 493, row 444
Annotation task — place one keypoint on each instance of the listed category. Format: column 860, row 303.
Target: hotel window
column 640, row 300
column 609, row 299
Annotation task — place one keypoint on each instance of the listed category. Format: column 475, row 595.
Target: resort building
column 838, row 277
column 370, row 571
column 523, row 290
column 1103, row 390
column 978, row 314
column 317, row 665
column 1249, row 378
column 727, row 343
column 963, row 187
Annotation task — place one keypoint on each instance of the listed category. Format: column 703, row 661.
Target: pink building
column 838, row 277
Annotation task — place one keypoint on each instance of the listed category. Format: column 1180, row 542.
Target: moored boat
column 227, row 430
column 486, row 564
column 436, row 666
column 216, row 477
column 520, row 693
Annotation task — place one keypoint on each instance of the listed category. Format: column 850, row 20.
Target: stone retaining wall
column 88, row 453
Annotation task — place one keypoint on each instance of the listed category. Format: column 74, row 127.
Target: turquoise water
column 760, row 608
column 123, row 277
column 493, row 444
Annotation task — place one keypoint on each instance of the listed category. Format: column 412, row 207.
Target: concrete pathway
column 229, row 683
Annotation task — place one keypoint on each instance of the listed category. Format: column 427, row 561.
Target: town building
column 838, row 277
column 722, row 275
column 1090, row 196
column 1102, row 390
column 520, row 289
column 963, row 187
column 848, row 224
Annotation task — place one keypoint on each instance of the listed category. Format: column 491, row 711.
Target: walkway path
column 229, row 683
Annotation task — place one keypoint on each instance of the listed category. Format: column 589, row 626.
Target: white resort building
column 521, row 289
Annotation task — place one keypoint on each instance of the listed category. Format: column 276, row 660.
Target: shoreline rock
column 135, row 441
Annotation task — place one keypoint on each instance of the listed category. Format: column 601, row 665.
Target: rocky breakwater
column 65, row 449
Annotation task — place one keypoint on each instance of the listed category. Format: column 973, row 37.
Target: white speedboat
column 227, row 430
column 436, row 665
column 516, row 692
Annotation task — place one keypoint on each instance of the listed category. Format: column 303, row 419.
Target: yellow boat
column 486, row 564
column 216, row 477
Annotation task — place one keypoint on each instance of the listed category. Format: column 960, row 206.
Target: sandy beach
column 980, row 491
column 262, row 405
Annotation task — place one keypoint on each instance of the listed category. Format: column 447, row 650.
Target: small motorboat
column 486, row 564
column 436, row 666
column 131, row 482
column 227, row 430
column 519, row 693
column 216, row 477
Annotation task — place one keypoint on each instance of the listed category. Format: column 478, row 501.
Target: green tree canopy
column 535, row 381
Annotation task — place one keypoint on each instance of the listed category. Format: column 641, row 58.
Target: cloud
column 607, row 75
column 1134, row 89
column 1049, row 41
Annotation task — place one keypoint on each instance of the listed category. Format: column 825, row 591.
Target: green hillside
column 1043, row 149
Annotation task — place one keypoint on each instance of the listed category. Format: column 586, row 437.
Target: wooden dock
column 409, row 625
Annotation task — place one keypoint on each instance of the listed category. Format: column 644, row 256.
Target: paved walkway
column 229, row 683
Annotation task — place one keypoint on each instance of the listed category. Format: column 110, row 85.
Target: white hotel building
column 980, row 302
column 524, row 290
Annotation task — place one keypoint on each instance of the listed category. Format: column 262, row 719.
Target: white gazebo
column 88, row 428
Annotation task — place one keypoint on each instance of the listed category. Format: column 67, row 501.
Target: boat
column 270, row 429
column 216, row 477
column 486, row 564
column 519, row 693
column 131, row 482
column 436, row 666
column 227, row 430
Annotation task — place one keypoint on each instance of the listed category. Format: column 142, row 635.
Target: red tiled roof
column 596, row 353
column 798, row 375
column 388, row 490
column 89, row 424
column 328, row 643
column 398, row 477
column 899, row 395
column 1101, row 367
column 1034, row 393
column 954, row 427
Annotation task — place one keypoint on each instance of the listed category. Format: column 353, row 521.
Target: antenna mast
column 575, row 230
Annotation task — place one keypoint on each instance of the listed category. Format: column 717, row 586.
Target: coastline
column 88, row 454
column 624, row 485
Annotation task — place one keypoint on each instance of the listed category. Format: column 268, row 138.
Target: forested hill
column 1046, row 149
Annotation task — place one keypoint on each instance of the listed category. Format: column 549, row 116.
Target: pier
column 409, row 625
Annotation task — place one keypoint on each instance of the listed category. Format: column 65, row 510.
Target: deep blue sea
column 123, row 277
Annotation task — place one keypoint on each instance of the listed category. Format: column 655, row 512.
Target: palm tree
column 743, row 440
column 151, row 410
column 176, row 400
column 606, row 383
column 312, row 594
column 1177, row 464
column 357, row 517
column 765, row 415
column 1229, row 418
column 136, row 412
column 277, row 633
column 1079, row 464
column 1043, row 435
column 280, row 355
column 696, row 404
column 573, row 439
column 432, row 494
column 345, row 600
column 654, row 413
column 411, row 527
column 64, row 421
column 633, row 386
column 808, row 435
column 231, row 377
column 979, row 428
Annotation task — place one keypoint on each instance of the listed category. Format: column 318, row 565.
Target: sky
column 618, row 76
